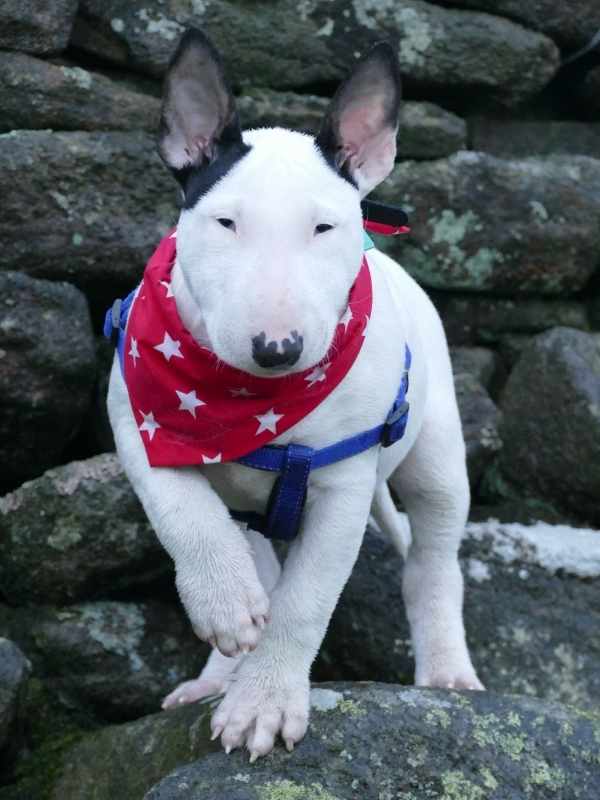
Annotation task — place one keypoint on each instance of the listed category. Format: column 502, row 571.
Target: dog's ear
column 358, row 134
column 198, row 110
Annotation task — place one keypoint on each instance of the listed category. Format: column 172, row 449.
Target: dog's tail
column 389, row 520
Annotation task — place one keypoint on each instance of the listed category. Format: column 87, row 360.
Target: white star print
column 189, row 401
column 169, row 347
column 215, row 460
column 347, row 318
column 134, row 352
column 173, row 235
column 243, row 392
column 268, row 421
column 167, row 286
column 317, row 375
column 367, row 320
column 149, row 424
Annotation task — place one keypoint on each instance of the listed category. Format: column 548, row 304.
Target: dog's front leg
column 215, row 572
column 270, row 692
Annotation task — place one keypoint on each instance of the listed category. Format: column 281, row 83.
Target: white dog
column 268, row 247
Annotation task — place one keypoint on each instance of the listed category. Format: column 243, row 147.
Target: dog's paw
column 229, row 609
column 213, row 680
column 463, row 677
column 257, row 708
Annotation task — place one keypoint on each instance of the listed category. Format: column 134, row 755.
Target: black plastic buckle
column 395, row 424
column 115, row 313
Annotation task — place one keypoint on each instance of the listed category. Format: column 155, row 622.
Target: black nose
column 276, row 354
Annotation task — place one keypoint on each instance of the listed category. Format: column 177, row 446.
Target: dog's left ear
column 358, row 134
column 198, row 110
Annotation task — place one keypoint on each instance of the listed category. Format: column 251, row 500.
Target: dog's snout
column 270, row 354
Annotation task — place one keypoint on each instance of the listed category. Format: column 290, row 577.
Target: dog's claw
column 216, row 733
column 227, row 749
column 289, row 745
column 253, row 756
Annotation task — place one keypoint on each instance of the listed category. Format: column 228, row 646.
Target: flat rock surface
column 76, row 532
column 286, row 44
column 90, row 207
column 36, row 94
column 47, row 371
column 365, row 741
column 551, row 421
column 518, row 139
column 488, row 224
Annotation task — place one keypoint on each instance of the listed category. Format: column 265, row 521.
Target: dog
column 269, row 244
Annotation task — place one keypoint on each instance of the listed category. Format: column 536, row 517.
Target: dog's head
column 270, row 236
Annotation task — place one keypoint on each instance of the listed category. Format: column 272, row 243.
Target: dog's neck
column 187, row 308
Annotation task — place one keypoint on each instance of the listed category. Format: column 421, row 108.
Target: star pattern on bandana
column 317, row 375
column 167, row 285
column 134, row 352
column 169, row 347
column 189, row 401
column 150, row 425
column 346, row 319
column 208, row 460
column 268, row 421
column 243, row 392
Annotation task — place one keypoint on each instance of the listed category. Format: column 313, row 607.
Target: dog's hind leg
column 433, row 486
column 219, row 669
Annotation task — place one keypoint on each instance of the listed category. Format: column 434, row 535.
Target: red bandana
column 193, row 409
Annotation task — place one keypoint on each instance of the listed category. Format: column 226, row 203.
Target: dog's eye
column 226, row 223
column 323, row 228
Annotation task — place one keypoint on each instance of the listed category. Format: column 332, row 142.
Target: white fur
column 274, row 274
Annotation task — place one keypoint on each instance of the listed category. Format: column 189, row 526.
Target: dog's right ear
column 198, row 110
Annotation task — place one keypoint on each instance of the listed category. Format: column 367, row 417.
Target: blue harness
column 293, row 462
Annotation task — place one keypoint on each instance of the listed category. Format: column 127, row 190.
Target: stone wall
column 499, row 170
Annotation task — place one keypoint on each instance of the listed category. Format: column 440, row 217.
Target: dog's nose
column 276, row 354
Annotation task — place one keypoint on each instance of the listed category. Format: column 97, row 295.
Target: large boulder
column 113, row 660
column 14, row 673
column 286, row 44
column 480, row 421
column 532, row 613
column 89, row 207
column 370, row 741
column 551, row 421
column 483, row 223
column 479, row 362
column 425, row 131
column 570, row 24
column 478, row 319
column 518, row 139
column 36, row 27
column 36, row 94
column 76, row 532
column 47, row 368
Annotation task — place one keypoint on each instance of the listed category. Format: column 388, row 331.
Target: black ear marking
column 200, row 137
column 355, row 136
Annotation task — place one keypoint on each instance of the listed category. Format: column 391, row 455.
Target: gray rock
column 74, row 533
column 36, row 94
column 570, row 24
column 47, row 369
column 367, row 741
column 480, row 422
column 14, row 673
column 426, row 130
column 551, row 421
column 516, row 577
column 36, row 27
column 89, row 207
column 287, row 45
column 518, row 139
column 485, row 224
column 479, row 362
column 378, row 742
column 113, row 660
column 472, row 319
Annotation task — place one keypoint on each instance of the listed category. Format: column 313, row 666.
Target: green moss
column 457, row 787
column 351, row 707
column 288, row 790
column 542, row 774
column 438, row 717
